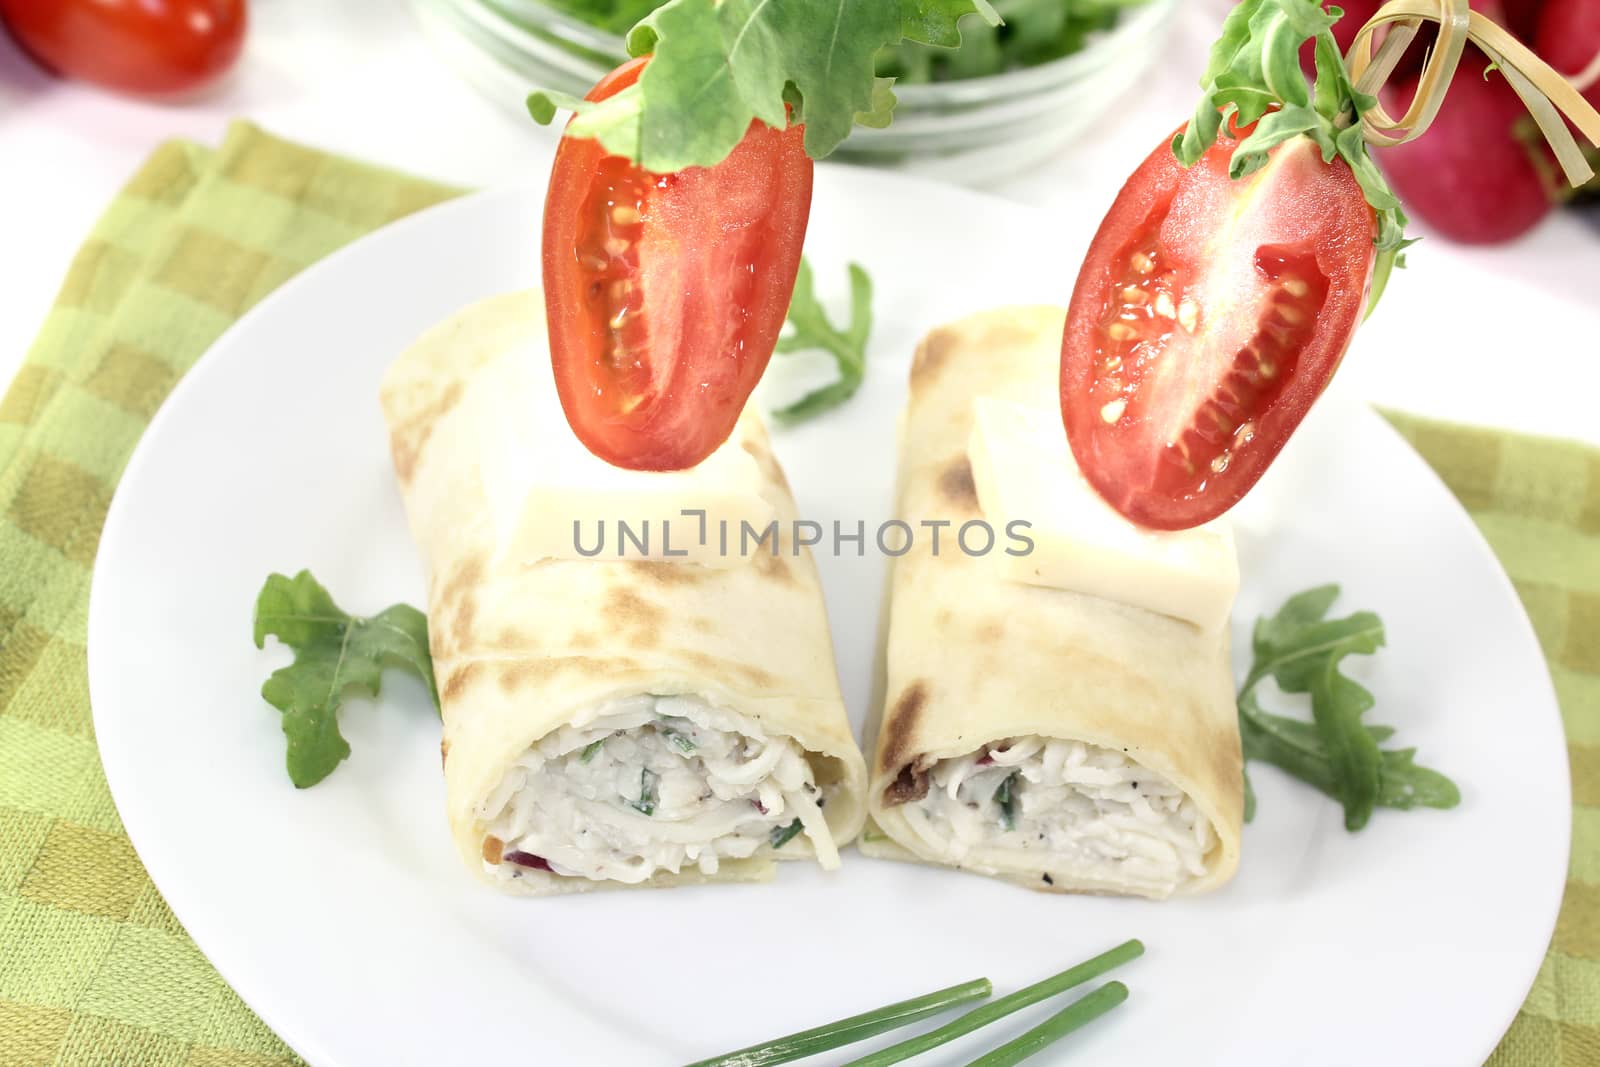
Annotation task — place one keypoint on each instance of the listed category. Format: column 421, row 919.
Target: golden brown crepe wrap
column 975, row 662
column 522, row 652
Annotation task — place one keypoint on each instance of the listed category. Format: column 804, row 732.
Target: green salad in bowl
column 1011, row 95
column 1033, row 32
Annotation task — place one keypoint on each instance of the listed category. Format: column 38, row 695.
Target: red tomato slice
column 665, row 293
column 1208, row 315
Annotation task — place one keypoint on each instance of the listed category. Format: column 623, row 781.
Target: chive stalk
column 997, row 1009
column 646, row 804
column 1083, row 1010
column 848, row 1031
column 1007, row 801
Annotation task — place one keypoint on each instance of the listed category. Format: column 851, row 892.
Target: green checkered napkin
column 94, row 969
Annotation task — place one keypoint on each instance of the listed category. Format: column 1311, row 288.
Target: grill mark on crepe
column 991, row 631
column 756, row 676
column 458, row 626
column 513, row 675
column 714, row 667
column 900, row 723
column 998, row 338
column 1227, row 763
column 773, row 567
column 631, row 614
column 457, row 680
column 767, row 462
column 957, row 487
column 513, row 640
column 444, row 750
column 453, row 608
column 669, row 574
column 932, row 354
column 910, row 785
column 409, row 437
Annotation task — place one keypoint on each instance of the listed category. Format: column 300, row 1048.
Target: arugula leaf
column 333, row 651
column 591, row 750
column 720, row 64
column 934, row 21
column 810, row 329
column 781, row 835
column 1300, row 648
column 1255, row 68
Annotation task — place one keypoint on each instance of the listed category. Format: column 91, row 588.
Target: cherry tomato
column 1208, row 315
column 665, row 293
column 152, row 47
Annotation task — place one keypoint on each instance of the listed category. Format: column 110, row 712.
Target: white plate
column 342, row 914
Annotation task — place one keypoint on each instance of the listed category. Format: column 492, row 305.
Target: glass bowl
column 971, row 130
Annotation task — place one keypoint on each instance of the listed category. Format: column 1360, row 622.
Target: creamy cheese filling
column 652, row 783
column 1086, row 812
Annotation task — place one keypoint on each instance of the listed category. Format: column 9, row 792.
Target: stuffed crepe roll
column 608, row 722
column 1061, row 740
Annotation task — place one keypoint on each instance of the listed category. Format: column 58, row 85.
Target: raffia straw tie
column 1545, row 93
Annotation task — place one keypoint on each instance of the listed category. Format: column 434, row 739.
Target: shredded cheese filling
column 1088, row 813
column 648, row 784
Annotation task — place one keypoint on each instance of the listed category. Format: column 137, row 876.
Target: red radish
column 1522, row 16
column 1568, row 38
column 1469, row 176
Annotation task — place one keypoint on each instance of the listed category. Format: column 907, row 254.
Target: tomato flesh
column 665, row 294
column 1208, row 315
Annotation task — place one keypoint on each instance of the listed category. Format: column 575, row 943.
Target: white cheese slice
column 1024, row 470
column 550, row 498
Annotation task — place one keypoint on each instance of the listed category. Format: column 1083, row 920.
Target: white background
column 359, row 77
